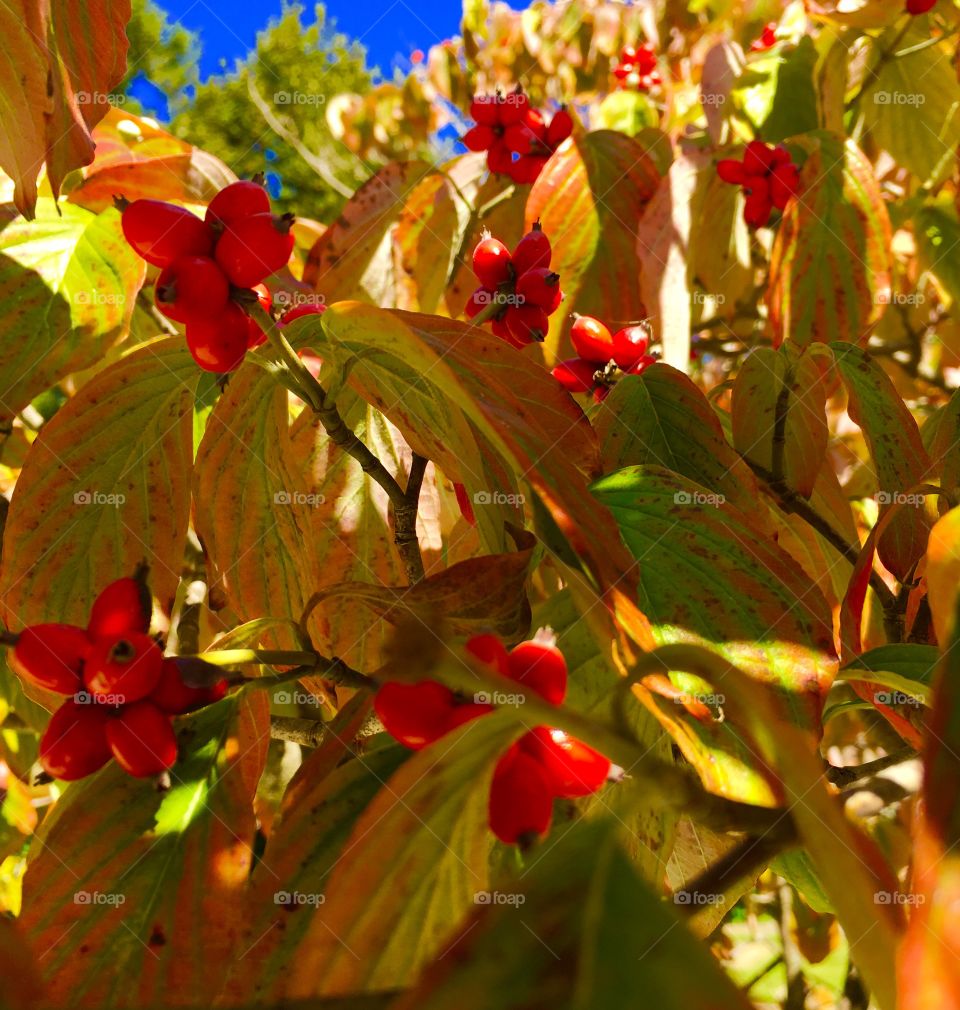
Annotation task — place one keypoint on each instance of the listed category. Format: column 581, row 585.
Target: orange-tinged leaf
column 831, row 262
column 22, row 988
column 134, row 895
column 589, row 199
column 105, row 486
column 60, row 62
column 943, row 572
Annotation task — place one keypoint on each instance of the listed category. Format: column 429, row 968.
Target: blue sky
column 387, row 28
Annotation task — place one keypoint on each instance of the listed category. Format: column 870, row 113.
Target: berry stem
column 295, row 375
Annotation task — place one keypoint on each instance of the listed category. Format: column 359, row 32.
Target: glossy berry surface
column 527, row 323
column 239, row 199
column 51, row 656
column 541, row 668
column 254, row 247
column 920, row 6
column 561, row 126
column 127, row 668
column 74, row 744
column 491, row 262
column 591, row 339
column 191, row 287
column 218, row 344
column 162, row 232
column 414, row 714
column 124, row 607
column 466, row 506
column 142, row 740
column 540, row 287
column 575, row 375
column 521, row 802
column 532, row 251
column 630, row 345
column 572, row 768
column 489, row 650
column 173, row 696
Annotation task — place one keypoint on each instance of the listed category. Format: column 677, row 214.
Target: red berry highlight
column 191, row 287
column 540, row 287
column 255, row 247
column 575, row 375
column 51, row 656
column 521, row 803
column 218, row 344
column 127, row 667
column 74, row 744
column 142, row 740
column 532, row 251
column 541, row 668
column 572, row 768
column 162, row 232
column 414, row 714
column 124, row 607
column 591, row 339
column 239, row 199
column 491, row 262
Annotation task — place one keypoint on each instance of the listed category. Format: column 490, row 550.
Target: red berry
column 173, row 696
column 254, row 247
column 500, row 159
column 757, row 207
column 485, row 110
column 500, row 330
column 219, row 344
column 591, row 339
column 575, row 375
column 767, row 39
column 642, row 365
column 572, row 768
column 142, row 740
column 299, row 311
column 51, row 656
column 128, row 667
column 920, row 6
column 526, row 170
column 479, row 138
column 540, row 667
column 520, row 803
column 784, row 184
column 731, row 170
column 190, row 288
column 527, row 323
column 758, row 158
column 491, row 262
column 466, row 506
column 532, row 251
column 623, row 70
column 162, row 232
column 540, row 287
column 522, row 136
column 414, row 714
column 488, row 649
column 74, row 744
column 514, row 107
column 239, row 199
column 630, row 345
column 461, row 714
column 561, row 126
column 124, row 607
column 478, row 301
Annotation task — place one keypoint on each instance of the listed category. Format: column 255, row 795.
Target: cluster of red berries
column 517, row 138
column 768, row 176
column 767, row 39
column 544, row 764
column 603, row 356
column 521, row 283
column 920, row 6
column 123, row 692
column 210, row 269
column 636, row 69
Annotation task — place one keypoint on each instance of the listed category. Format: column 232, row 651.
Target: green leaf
column 416, row 858
column 776, row 92
column 830, row 264
column 628, row 112
column 937, row 233
column 589, row 199
column 106, row 486
column 579, row 930
column 797, row 867
column 779, row 414
column 912, row 106
column 127, row 886
column 68, row 284
column 897, row 452
column 706, row 577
